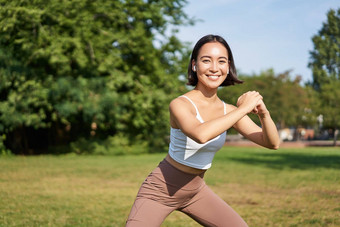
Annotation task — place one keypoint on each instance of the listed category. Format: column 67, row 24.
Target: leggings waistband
column 175, row 177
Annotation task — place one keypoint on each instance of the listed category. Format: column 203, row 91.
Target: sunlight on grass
column 289, row 187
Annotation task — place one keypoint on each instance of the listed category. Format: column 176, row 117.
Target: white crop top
column 190, row 153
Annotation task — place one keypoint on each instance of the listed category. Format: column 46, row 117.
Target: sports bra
column 188, row 152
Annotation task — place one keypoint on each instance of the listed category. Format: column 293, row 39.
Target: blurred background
column 96, row 77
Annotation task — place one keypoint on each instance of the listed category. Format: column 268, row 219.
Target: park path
column 286, row 144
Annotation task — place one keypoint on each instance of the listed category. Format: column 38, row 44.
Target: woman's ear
column 193, row 66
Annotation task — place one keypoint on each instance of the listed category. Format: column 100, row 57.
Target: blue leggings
column 167, row 189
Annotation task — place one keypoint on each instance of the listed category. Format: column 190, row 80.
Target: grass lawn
column 288, row 187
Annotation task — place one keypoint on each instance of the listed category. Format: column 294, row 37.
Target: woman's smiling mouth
column 213, row 77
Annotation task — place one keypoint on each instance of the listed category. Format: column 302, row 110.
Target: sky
column 262, row 34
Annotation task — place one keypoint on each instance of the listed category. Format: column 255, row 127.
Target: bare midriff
column 184, row 168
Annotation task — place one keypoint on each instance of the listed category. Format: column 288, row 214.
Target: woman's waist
column 184, row 168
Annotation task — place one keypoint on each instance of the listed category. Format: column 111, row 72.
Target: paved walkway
column 294, row 144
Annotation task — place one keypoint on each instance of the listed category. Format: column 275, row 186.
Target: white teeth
column 213, row 77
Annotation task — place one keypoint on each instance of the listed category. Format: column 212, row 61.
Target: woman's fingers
column 250, row 100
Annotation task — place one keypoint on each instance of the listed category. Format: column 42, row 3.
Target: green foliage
column 3, row 150
column 287, row 101
column 325, row 64
column 325, row 58
column 113, row 145
column 89, row 69
column 330, row 104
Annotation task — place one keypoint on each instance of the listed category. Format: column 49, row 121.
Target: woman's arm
column 183, row 116
column 267, row 135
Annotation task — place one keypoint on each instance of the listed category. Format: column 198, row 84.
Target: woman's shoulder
column 184, row 98
column 179, row 101
column 181, row 104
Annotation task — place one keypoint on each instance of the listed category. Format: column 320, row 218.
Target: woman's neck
column 205, row 94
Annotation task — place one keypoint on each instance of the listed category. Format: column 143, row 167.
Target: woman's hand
column 266, row 135
column 252, row 102
column 260, row 109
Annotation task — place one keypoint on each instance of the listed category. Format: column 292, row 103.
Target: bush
column 3, row 150
column 113, row 145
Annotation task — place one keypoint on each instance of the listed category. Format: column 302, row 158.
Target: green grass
column 288, row 187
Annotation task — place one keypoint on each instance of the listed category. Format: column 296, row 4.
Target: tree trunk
column 336, row 133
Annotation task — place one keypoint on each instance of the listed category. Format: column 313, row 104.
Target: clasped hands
column 252, row 101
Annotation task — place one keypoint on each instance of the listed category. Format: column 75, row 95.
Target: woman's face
column 212, row 64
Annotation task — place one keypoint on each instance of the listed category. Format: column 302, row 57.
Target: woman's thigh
column 163, row 191
column 148, row 213
column 209, row 209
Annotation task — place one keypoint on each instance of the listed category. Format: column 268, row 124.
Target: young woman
column 199, row 120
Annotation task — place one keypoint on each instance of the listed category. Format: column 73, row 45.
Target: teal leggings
column 167, row 189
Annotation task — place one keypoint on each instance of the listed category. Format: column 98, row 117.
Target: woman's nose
column 213, row 67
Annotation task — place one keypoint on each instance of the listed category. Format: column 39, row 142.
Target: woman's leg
column 210, row 210
column 162, row 192
column 155, row 201
column 147, row 213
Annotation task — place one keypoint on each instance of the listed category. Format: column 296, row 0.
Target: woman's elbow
column 274, row 146
column 201, row 139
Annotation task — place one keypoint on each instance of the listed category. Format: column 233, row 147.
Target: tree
column 285, row 98
column 325, row 65
column 72, row 69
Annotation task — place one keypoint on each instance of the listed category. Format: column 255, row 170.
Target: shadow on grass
column 289, row 160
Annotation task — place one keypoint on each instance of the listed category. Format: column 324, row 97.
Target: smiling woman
column 226, row 54
column 199, row 120
column 212, row 64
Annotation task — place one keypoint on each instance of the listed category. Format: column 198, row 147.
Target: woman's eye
column 206, row 61
column 222, row 62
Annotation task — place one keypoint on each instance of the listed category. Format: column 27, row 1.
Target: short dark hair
column 232, row 76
